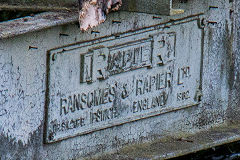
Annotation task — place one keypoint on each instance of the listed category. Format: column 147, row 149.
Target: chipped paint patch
column 94, row 12
column 20, row 100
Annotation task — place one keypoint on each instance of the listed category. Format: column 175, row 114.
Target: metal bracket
column 160, row 7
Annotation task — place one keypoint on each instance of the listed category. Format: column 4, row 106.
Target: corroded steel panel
column 115, row 80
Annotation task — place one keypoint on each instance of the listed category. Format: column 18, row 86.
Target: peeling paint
column 93, row 12
column 23, row 85
column 19, row 101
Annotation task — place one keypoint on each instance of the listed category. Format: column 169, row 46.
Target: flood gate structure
column 149, row 83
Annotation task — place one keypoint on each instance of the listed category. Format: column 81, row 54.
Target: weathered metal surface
column 206, row 39
column 112, row 81
column 161, row 7
column 93, row 13
column 175, row 146
column 36, row 22
column 179, row 145
column 39, row 5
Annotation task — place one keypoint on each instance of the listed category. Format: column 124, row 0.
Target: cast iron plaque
column 119, row 79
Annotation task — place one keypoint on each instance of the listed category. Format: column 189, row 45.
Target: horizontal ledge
column 6, row 7
column 176, row 146
column 160, row 7
column 34, row 23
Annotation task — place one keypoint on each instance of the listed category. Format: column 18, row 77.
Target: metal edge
column 34, row 23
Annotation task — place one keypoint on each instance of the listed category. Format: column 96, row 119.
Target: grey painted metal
column 112, row 81
column 175, row 146
column 151, row 6
column 36, row 22
column 162, row 7
column 38, row 5
column 45, row 58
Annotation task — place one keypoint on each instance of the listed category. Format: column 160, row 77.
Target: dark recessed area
column 225, row 152
column 10, row 15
